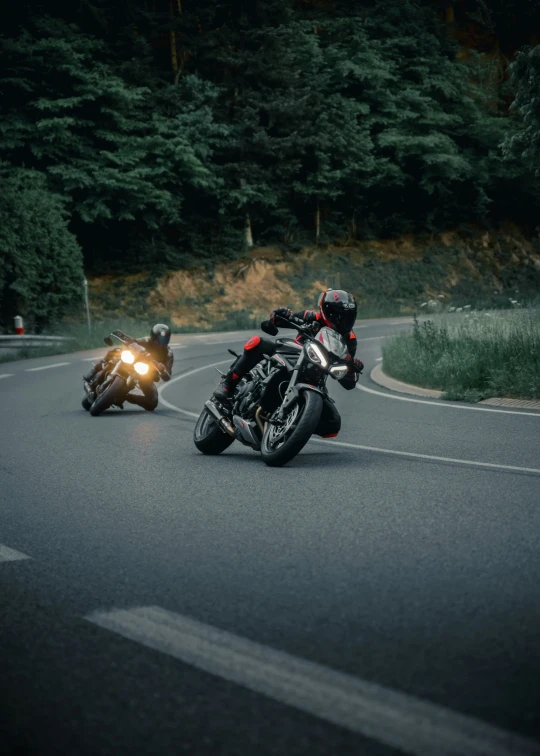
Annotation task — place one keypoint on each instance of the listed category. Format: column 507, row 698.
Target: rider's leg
column 94, row 371
column 254, row 350
column 330, row 422
column 149, row 400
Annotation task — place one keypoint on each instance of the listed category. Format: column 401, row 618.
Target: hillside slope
column 387, row 276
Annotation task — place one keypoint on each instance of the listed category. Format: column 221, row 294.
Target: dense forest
column 140, row 134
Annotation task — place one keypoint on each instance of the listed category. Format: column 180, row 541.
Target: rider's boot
column 252, row 354
column 226, row 387
column 90, row 393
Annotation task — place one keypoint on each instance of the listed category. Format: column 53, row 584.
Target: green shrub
column 470, row 356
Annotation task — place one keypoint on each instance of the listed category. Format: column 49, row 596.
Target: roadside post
column 19, row 327
column 85, row 284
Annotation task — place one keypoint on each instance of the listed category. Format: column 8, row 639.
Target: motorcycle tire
column 86, row 403
column 111, row 395
column 208, row 436
column 311, row 405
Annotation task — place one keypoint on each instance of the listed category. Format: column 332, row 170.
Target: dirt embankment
column 386, row 276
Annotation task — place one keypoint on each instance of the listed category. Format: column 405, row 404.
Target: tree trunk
column 249, row 232
column 317, row 223
column 449, row 14
column 174, row 55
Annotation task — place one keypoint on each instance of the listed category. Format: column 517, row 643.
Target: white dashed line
column 46, row 367
column 178, row 346
column 398, row 720
column 6, row 375
column 10, row 555
column 379, row 359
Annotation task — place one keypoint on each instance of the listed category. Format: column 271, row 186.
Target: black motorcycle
column 277, row 406
column 119, row 376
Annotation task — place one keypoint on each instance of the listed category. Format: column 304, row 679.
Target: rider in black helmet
column 157, row 346
column 337, row 310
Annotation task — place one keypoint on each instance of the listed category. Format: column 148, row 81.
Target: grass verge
column 470, row 356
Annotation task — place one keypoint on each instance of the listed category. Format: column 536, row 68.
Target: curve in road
column 401, row 562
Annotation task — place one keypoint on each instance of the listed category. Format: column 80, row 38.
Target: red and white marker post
column 19, row 327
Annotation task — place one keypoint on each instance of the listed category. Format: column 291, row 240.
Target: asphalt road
column 379, row 595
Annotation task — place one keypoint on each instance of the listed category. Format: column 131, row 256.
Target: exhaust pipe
column 221, row 420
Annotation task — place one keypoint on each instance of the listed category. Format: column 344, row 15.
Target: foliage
column 168, row 128
column 524, row 144
column 41, row 273
column 471, row 356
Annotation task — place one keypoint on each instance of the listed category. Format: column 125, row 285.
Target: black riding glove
column 281, row 312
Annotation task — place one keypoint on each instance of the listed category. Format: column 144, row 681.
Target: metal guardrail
column 13, row 343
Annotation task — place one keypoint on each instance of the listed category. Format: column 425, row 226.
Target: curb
column 377, row 376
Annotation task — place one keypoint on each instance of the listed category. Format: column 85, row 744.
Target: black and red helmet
column 160, row 334
column 338, row 310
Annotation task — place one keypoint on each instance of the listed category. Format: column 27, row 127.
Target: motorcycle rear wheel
column 277, row 453
column 111, row 395
column 208, row 436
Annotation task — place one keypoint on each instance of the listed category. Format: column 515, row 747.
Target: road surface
column 379, row 595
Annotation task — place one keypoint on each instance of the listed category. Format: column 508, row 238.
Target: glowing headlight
column 316, row 354
column 128, row 357
column 339, row 371
column 141, row 368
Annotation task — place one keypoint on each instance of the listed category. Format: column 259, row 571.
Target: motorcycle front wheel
column 112, row 394
column 282, row 443
column 208, row 436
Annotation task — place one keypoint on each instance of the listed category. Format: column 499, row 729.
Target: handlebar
column 270, row 327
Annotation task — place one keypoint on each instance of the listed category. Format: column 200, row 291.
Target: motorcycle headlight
column 141, row 368
column 339, row 371
column 128, row 357
column 316, row 355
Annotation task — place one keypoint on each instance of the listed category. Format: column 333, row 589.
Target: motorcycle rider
column 157, row 345
column 337, row 310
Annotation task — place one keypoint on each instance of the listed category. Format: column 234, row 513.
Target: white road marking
column 90, row 359
column 46, row 367
column 162, row 388
column 401, row 721
column 414, row 455
column 376, row 338
column 10, row 555
column 178, row 346
column 379, row 359
column 393, row 452
column 6, row 375
column 445, row 404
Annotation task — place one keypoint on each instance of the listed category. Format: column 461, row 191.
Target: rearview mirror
column 270, row 328
column 108, row 340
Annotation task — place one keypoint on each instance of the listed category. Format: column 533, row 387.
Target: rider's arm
column 168, row 364
column 350, row 380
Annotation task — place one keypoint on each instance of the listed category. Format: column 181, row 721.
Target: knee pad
column 252, row 343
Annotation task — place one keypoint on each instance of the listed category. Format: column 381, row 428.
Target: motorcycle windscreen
column 333, row 342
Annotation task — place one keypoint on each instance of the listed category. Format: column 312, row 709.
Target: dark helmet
column 160, row 334
column 338, row 310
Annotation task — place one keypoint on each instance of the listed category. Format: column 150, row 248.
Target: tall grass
column 470, row 355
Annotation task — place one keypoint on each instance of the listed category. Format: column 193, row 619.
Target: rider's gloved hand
column 281, row 312
column 358, row 364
